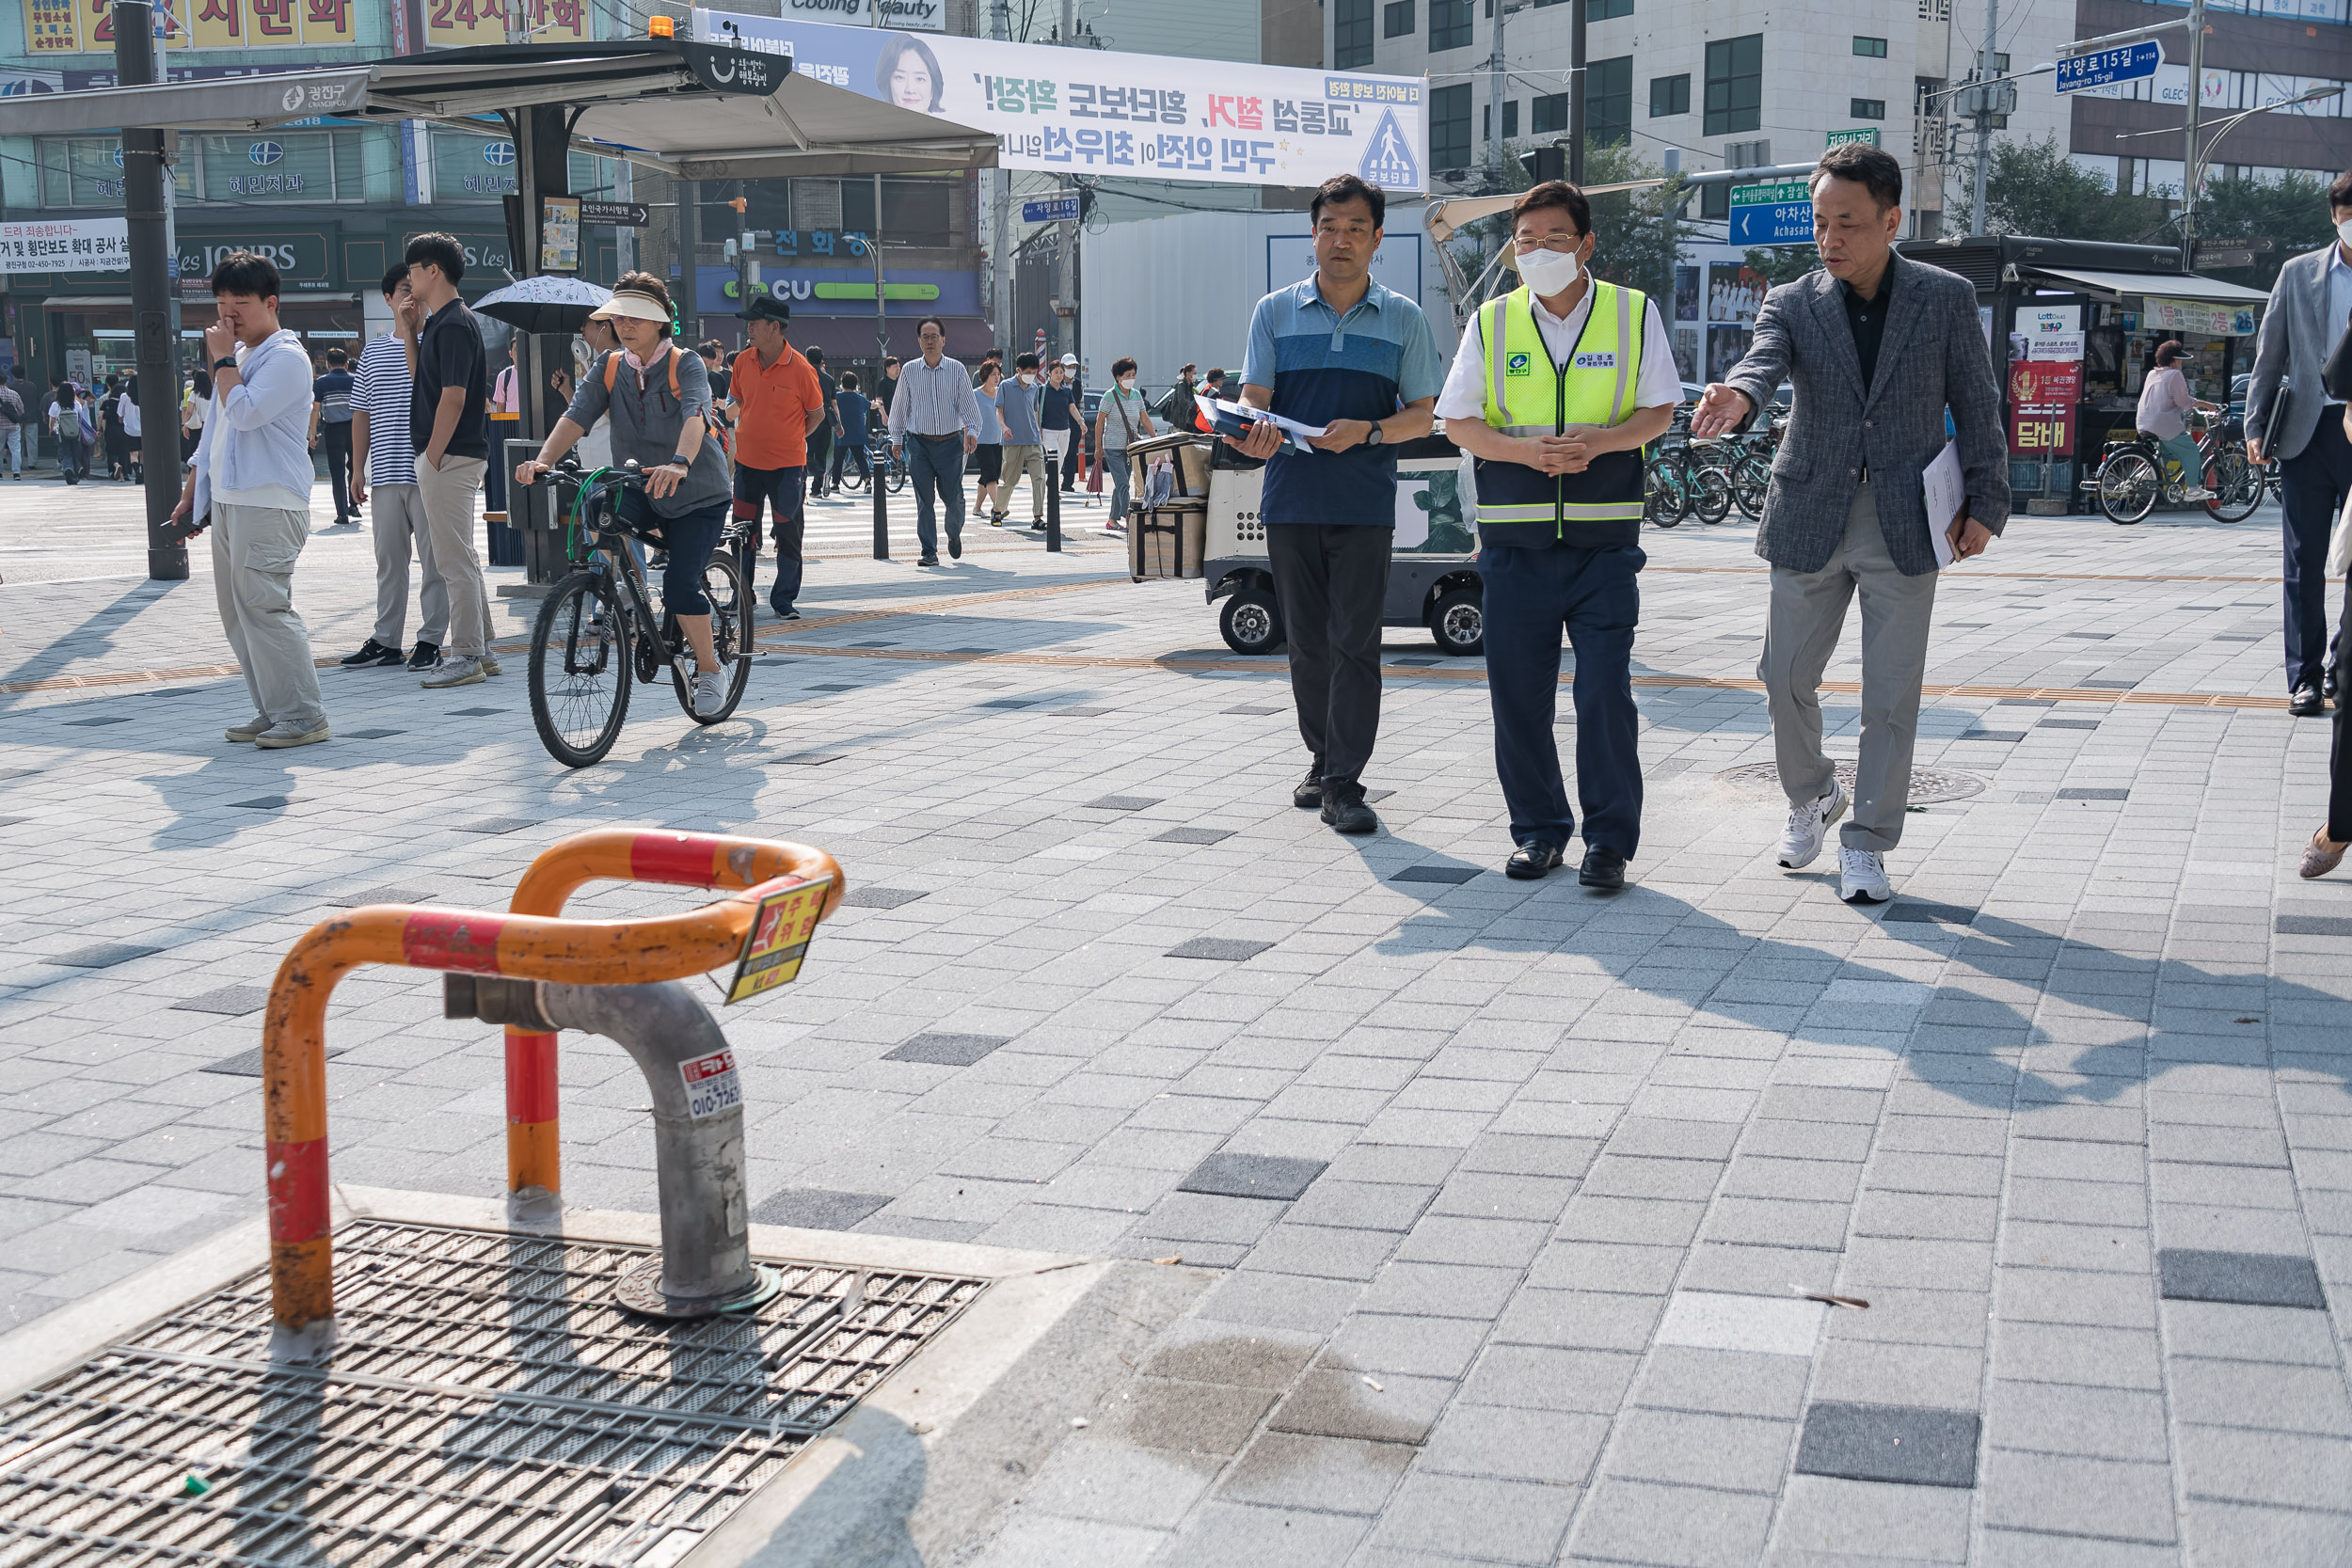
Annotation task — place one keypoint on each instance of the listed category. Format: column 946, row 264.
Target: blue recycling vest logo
column 1389, row 162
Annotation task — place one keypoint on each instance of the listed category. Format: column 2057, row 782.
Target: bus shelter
column 2073, row 327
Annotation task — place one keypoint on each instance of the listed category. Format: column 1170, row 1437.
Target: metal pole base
column 640, row 1291
column 1052, row 511
column 879, row 481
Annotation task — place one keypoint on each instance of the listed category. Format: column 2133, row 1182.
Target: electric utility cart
column 1197, row 517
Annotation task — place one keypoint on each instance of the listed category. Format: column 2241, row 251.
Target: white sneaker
column 1808, row 825
column 248, row 732
column 710, row 693
column 490, row 664
column 1862, row 876
column 454, row 671
column 2197, row 493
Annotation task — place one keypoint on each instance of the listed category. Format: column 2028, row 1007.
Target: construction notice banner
column 1101, row 111
column 66, row 245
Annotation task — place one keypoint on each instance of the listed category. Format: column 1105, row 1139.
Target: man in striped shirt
column 384, row 460
column 935, row 418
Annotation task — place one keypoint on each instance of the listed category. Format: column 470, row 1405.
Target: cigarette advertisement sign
column 1102, row 112
column 2042, row 396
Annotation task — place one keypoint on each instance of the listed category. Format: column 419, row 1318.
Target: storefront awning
column 2164, row 285
column 87, row 302
column 693, row 110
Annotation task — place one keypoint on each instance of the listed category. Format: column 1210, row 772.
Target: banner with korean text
column 1151, row 116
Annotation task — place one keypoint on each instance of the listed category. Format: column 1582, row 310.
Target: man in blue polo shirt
column 1343, row 352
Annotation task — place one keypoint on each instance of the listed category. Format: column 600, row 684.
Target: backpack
column 11, row 406
column 612, row 370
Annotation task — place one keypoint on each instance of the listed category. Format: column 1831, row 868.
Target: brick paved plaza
column 1510, row 1204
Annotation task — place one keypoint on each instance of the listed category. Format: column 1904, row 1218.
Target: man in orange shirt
column 775, row 401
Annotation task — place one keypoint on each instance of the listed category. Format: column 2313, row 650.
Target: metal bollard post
column 1053, row 507
column 879, row 481
column 705, row 1265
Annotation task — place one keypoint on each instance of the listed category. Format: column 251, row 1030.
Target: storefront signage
column 2195, row 315
column 2044, row 395
column 460, row 23
column 1102, row 111
column 845, row 293
column 87, row 26
column 301, row 256
column 66, row 245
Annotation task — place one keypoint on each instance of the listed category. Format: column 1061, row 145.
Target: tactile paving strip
column 485, row 1404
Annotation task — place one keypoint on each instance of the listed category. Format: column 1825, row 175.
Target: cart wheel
column 1458, row 623
column 1250, row 623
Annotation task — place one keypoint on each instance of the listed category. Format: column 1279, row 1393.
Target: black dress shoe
column 1309, row 794
column 1603, row 868
column 2307, row 703
column 1344, row 811
column 1531, row 859
column 929, row 561
column 955, row 546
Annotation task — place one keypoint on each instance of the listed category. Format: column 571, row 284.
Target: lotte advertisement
column 1083, row 111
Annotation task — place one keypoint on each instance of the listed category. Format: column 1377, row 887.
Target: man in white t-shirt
column 1554, row 389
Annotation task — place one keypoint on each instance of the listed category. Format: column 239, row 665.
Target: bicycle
column 597, row 627
column 2131, row 479
column 1673, row 487
column 890, row 465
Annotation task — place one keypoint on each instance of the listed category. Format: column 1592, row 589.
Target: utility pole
column 1984, row 96
column 1576, row 98
column 1496, row 88
column 2188, row 157
column 877, row 480
column 156, row 340
column 1000, row 239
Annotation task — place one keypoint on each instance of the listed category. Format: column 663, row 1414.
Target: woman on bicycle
column 848, row 423
column 656, row 402
column 2165, row 405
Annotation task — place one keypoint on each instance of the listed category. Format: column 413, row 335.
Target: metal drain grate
column 486, row 1403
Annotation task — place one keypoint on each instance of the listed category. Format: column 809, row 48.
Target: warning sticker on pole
column 779, row 937
column 711, row 1083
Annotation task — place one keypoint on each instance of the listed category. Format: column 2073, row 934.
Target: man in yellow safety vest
column 1554, row 390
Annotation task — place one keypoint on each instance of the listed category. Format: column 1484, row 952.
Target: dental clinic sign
column 66, row 245
column 1086, row 111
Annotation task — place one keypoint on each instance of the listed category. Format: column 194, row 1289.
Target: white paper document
column 1946, row 497
column 1241, row 415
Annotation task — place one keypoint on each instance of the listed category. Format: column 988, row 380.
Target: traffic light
column 1544, row 163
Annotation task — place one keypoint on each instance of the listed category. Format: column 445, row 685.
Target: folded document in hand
column 1946, row 497
column 1238, row 419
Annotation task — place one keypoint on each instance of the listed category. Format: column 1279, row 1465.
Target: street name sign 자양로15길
column 1771, row 212
column 1050, row 208
column 2125, row 62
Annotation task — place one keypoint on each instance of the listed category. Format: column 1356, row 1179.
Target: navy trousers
column 2311, row 490
column 1531, row 596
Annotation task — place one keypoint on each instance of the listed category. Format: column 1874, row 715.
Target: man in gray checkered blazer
column 1877, row 348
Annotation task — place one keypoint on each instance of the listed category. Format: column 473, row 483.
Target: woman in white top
column 2165, row 404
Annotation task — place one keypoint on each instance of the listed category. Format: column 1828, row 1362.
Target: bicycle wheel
column 730, row 598
column 2236, row 485
column 2128, row 485
column 1710, row 495
column 1661, row 495
column 1753, row 480
column 898, row 475
column 579, row 669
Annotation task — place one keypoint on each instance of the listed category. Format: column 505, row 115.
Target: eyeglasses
column 1551, row 242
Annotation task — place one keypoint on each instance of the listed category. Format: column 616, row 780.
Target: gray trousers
column 1807, row 615
column 397, row 520
column 254, row 551
column 448, row 496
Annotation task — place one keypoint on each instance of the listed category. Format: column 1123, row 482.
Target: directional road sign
column 2125, row 62
column 621, row 214
column 1775, row 211
column 1865, row 135
column 1062, row 208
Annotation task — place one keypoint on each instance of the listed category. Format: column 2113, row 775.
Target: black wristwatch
column 1377, row 436
column 683, row 459
column 226, row 363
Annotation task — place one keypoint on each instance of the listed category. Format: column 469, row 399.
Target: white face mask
column 1126, row 383
column 1549, row 272
column 2343, row 230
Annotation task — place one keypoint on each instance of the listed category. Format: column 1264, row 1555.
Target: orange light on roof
column 660, row 27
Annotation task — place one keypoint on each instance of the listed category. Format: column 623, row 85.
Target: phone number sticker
column 712, row 1085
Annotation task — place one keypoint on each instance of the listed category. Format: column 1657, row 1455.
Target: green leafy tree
column 2034, row 188
column 1638, row 232
column 1782, row 263
column 2291, row 213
